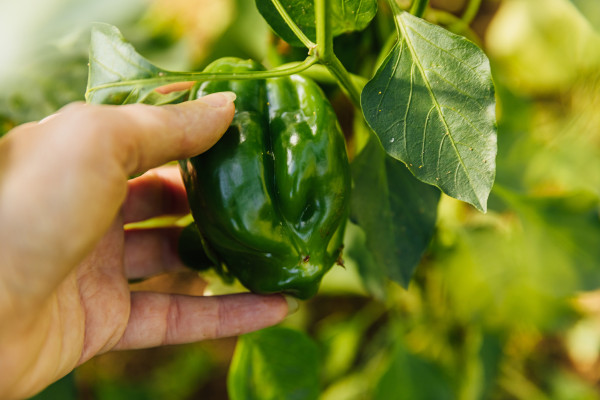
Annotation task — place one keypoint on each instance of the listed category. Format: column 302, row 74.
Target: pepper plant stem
column 322, row 74
column 326, row 54
column 396, row 10
column 338, row 70
column 171, row 76
column 455, row 24
column 418, row 7
column 323, row 26
column 471, row 11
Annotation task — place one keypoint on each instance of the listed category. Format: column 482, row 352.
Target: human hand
column 65, row 258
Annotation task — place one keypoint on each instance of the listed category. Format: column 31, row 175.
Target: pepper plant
column 423, row 115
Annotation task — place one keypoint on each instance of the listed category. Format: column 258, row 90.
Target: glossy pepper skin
column 271, row 197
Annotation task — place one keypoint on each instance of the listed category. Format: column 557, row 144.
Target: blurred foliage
column 45, row 47
column 502, row 305
column 64, row 389
column 272, row 364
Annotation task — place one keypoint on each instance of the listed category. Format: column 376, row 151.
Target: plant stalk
column 471, row 11
column 322, row 74
column 396, row 11
column 418, row 7
column 326, row 54
column 338, row 70
column 455, row 24
column 323, row 26
column 171, row 77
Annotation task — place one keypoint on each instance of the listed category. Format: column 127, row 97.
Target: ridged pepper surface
column 270, row 199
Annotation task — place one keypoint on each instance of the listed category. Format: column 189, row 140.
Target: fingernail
column 219, row 100
column 292, row 304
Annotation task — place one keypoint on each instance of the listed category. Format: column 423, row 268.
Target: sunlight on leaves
column 541, row 49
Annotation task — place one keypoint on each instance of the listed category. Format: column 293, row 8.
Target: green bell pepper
column 271, row 198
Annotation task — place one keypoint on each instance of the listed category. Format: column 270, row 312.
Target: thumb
column 154, row 135
column 139, row 136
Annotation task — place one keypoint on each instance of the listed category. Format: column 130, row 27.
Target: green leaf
column 410, row 376
column 372, row 275
column 272, row 364
column 119, row 75
column 396, row 211
column 343, row 339
column 432, row 104
column 346, row 16
column 563, row 231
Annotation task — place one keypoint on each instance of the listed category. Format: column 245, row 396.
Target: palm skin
column 66, row 258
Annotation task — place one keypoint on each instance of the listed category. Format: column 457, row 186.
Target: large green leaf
column 274, row 364
column 432, row 104
column 119, row 75
column 346, row 16
column 373, row 275
column 396, row 211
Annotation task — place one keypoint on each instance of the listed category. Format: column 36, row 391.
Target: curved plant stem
column 326, row 54
column 344, row 78
column 283, row 70
column 455, row 24
column 471, row 11
column 292, row 25
column 171, row 77
column 322, row 74
column 418, row 7
column 396, row 10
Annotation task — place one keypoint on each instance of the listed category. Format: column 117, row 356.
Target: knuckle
column 173, row 320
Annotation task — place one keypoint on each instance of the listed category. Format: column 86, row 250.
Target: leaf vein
column 405, row 126
column 425, row 135
column 107, row 68
column 123, row 56
column 448, row 52
column 455, row 86
column 403, row 27
column 390, row 79
column 467, row 120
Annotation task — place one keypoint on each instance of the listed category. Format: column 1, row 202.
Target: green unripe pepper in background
column 271, row 197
